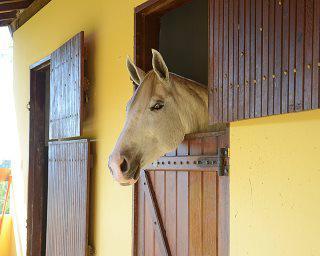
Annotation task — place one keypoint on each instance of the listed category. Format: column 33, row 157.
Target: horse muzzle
column 122, row 170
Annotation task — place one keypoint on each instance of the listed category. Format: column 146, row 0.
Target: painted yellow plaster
column 275, row 186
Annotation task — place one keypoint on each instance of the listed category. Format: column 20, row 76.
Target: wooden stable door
column 181, row 204
column 68, row 160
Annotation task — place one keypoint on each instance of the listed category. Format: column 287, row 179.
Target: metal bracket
column 223, row 166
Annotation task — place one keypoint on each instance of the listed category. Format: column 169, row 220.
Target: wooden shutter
column 192, row 203
column 66, row 89
column 264, row 58
column 68, row 188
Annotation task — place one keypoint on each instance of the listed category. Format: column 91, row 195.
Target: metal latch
column 223, row 167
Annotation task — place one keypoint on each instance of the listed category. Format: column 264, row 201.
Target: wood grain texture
column 66, row 89
column 68, row 200
column 267, row 62
column 188, row 203
column 38, row 166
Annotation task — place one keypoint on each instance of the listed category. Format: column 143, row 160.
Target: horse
column 164, row 108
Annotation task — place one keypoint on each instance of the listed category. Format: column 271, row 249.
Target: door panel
column 187, row 201
column 68, row 188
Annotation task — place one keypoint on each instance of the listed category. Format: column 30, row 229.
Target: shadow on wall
column 299, row 117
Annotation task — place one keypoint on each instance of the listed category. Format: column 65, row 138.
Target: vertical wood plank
column 230, row 55
column 211, row 57
column 247, row 59
column 265, row 58
column 258, row 31
column 285, row 56
column 241, row 59
column 278, row 59
column 209, row 215
column 225, row 89
column 141, row 219
column 182, row 213
column 183, row 205
column 221, row 47
column 236, row 59
column 308, row 54
column 216, row 60
column 271, row 56
column 149, row 230
column 171, row 210
column 195, row 214
column 160, row 192
column 316, row 55
column 252, row 58
column 300, row 55
column 292, row 58
column 195, row 203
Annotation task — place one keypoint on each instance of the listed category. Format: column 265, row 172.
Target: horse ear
column 136, row 74
column 159, row 66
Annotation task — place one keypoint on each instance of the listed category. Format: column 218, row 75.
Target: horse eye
column 157, row 106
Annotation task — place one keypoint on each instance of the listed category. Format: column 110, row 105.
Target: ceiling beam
column 4, row 23
column 27, row 14
column 8, row 15
column 10, row 6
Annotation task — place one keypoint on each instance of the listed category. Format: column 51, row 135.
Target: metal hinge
column 223, row 163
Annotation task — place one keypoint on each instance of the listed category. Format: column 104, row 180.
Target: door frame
column 146, row 36
column 38, row 156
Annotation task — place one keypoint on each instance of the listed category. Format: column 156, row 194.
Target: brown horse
column 163, row 109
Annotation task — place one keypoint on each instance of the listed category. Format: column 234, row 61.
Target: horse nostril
column 124, row 165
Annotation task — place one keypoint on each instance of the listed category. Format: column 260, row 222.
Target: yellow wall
column 108, row 27
column 275, row 186
column 274, row 175
column 7, row 247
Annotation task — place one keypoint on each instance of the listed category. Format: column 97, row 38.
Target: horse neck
column 192, row 103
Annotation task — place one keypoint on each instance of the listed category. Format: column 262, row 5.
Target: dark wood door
column 192, row 202
column 264, row 58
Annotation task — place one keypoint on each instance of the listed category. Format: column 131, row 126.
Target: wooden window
column 265, row 58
